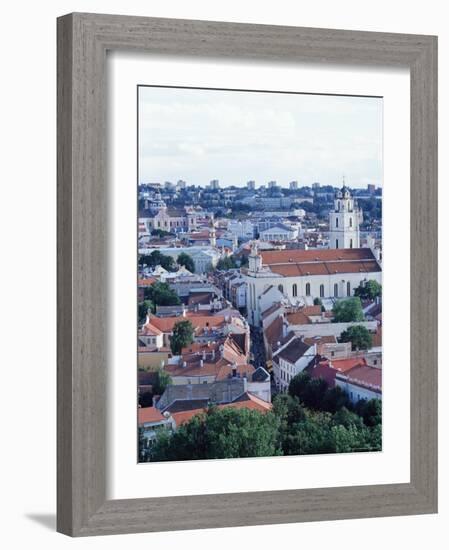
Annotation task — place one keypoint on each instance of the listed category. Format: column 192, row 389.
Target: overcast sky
column 200, row 135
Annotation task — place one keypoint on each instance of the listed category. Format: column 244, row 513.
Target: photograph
column 259, row 277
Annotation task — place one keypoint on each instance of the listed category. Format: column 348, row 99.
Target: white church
column 302, row 275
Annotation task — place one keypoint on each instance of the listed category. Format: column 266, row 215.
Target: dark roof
column 187, row 405
column 260, row 375
column 147, row 378
column 294, row 350
column 240, row 340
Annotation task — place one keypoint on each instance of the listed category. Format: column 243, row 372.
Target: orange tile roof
column 149, row 414
column 200, row 322
column 343, row 365
column 298, row 318
column 273, row 332
column 365, row 376
column 243, row 370
column 146, row 282
column 320, row 340
column 249, row 401
column 301, row 256
column 295, row 263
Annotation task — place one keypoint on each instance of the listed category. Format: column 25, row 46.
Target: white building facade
column 302, row 274
column 344, row 221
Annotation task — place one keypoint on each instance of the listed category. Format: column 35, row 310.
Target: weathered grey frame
column 83, row 40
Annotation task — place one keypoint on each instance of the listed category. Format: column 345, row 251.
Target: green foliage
column 162, row 380
column 161, row 233
column 161, row 294
column 182, row 336
column 359, row 337
column 187, row 261
column 348, row 310
column 157, row 258
column 143, row 308
column 309, row 391
column 317, row 302
column 226, row 263
column 314, row 393
column 220, row 433
column 370, row 411
column 368, row 291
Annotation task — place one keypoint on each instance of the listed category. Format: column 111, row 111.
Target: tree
column 368, row 291
column 157, row 258
column 187, row 261
column 220, row 433
column 226, row 263
column 348, row 310
column 161, row 233
column 359, row 337
column 162, row 380
column 370, row 410
column 335, row 399
column 182, row 336
column 162, row 295
column 144, row 308
column 310, row 391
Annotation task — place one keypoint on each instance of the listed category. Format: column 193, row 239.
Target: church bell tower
column 344, row 221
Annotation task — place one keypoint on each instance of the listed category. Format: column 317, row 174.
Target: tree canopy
column 157, row 258
column 348, row 310
column 220, row 433
column 226, row 263
column 160, row 294
column 368, row 291
column 182, row 336
column 186, row 261
column 143, row 308
column 359, row 337
column 162, row 380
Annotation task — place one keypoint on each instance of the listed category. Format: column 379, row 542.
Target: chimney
column 213, row 355
column 184, row 311
column 204, row 354
column 184, row 364
column 201, row 363
column 284, row 329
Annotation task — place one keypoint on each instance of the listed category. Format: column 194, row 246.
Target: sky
column 200, row 135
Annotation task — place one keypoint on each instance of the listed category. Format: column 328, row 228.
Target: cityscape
column 259, row 319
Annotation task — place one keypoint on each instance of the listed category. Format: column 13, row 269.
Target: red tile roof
column 270, row 257
column 273, row 332
column 149, row 414
column 295, row 263
column 343, row 365
column 364, row 376
column 146, row 282
column 246, row 401
column 200, row 322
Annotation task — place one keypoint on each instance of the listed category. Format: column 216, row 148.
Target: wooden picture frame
column 83, row 40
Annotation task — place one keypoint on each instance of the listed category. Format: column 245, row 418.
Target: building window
column 348, row 287
column 321, row 291
column 295, row 290
column 307, row 289
column 336, row 222
column 336, row 243
column 350, row 222
column 350, row 243
column 336, row 290
column 281, row 288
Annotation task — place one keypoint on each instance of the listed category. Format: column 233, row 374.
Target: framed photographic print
column 247, row 274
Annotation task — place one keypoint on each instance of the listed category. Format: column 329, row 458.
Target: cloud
column 199, row 135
